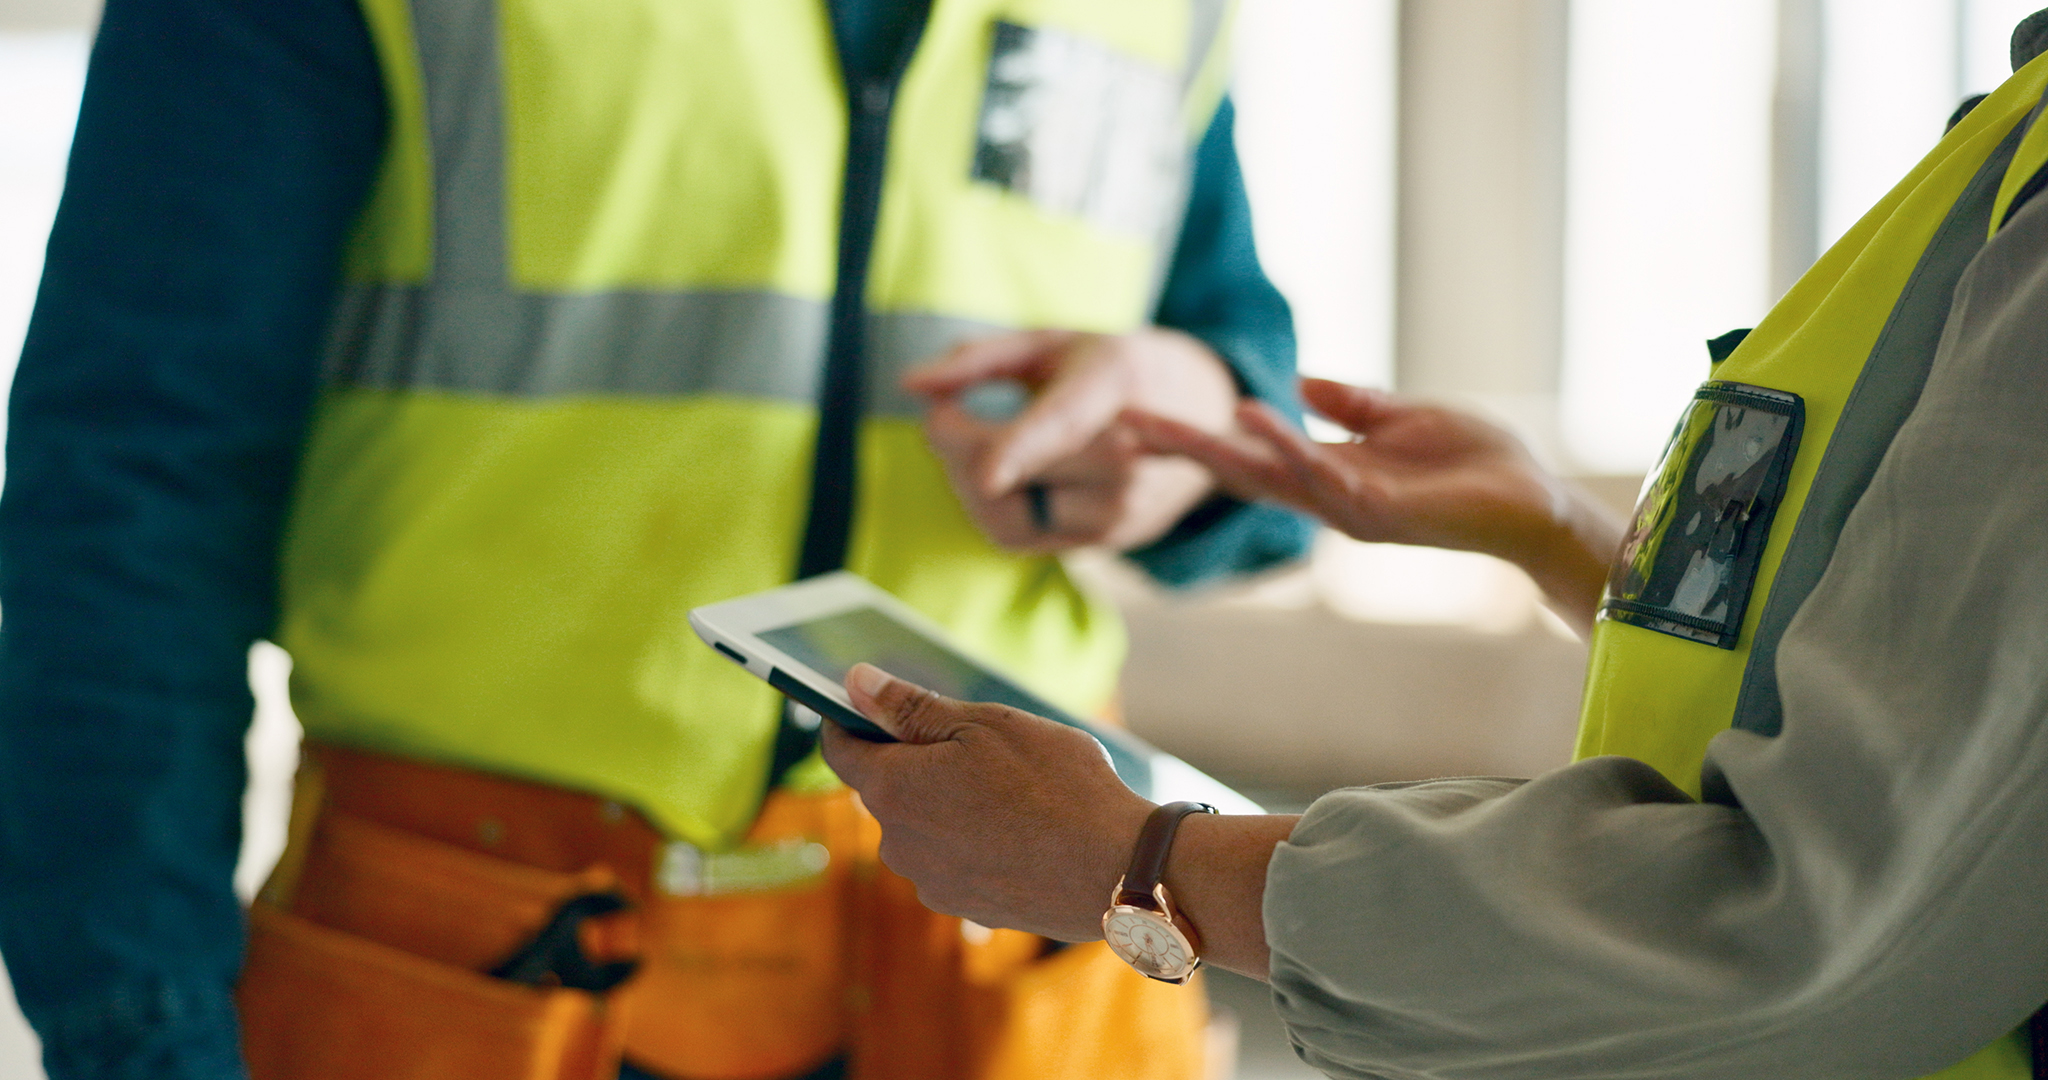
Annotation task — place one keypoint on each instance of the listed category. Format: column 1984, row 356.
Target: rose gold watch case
column 1168, row 951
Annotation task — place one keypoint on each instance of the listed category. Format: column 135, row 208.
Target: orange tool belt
column 405, row 884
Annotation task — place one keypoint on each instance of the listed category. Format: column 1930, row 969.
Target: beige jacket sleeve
column 1876, row 907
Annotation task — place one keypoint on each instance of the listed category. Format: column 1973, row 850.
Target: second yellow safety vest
column 1834, row 368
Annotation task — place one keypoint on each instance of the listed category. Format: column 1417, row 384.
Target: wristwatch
column 1141, row 925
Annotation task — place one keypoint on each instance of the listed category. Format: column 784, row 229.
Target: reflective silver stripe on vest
column 1206, row 19
column 491, row 341
column 467, row 330
column 1884, row 395
column 748, row 344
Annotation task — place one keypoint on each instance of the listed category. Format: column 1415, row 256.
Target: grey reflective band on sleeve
column 1885, row 393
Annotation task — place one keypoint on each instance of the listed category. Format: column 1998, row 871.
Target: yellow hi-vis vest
column 575, row 360
column 1854, row 338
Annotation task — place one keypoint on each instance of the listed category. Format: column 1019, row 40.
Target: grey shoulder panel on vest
column 1884, row 395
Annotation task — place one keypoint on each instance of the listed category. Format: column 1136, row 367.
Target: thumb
column 1357, row 409
column 1007, row 355
column 904, row 709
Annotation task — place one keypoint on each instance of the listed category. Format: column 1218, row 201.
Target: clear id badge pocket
column 1689, row 562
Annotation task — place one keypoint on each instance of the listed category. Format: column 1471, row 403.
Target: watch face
column 1149, row 942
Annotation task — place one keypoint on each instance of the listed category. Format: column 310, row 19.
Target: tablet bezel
column 737, row 625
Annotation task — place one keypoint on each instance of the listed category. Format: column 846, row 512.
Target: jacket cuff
column 1225, row 536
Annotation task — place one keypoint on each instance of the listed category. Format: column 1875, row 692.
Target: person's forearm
column 1569, row 558
column 222, row 152
column 1217, row 877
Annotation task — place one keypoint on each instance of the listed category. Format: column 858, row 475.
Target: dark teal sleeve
column 223, row 148
column 1216, row 291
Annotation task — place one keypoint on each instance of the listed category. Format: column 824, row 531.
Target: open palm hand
column 1411, row 474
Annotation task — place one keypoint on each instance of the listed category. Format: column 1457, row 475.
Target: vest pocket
column 742, row 985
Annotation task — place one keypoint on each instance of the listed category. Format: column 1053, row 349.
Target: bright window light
column 1316, row 118
column 1888, row 84
column 1667, row 223
column 1985, row 46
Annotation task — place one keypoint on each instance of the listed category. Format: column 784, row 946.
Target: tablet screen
column 832, row 644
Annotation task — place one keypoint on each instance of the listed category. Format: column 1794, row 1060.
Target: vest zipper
column 842, row 388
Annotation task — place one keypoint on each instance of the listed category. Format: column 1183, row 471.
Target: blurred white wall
column 1715, row 150
column 1893, row 70
column 1482, row 175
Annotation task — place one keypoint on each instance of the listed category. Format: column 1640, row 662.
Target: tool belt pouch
column 744, row 975
column 945, row 998
column 380, row 968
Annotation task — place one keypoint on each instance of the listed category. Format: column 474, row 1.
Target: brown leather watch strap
column 1155, row 842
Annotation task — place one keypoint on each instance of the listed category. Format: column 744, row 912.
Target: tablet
column 803, row 638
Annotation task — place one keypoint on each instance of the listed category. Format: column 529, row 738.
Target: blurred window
column 1893, row 72
column 1316, row 119
column 1667, row 211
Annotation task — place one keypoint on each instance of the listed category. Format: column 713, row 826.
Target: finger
column 1067, row 415
column 1014, row 524
column 1357, row 409
column 957, row 434
column 1107, row 460
column 1079, row 514
column 1246, row 467
column 1290, row 444
column 904, row 709
column 1013, row 355
column 1327, row 485
column 850, row 757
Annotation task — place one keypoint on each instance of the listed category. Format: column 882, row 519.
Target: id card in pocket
column 1689, row 562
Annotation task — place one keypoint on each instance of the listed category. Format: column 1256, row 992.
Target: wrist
column 1115, row 838
column 1143, row 925
column 1177, row 375
column 1217, row 876
column 1569, row 555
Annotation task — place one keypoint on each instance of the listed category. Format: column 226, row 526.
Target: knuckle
column 919, row 706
